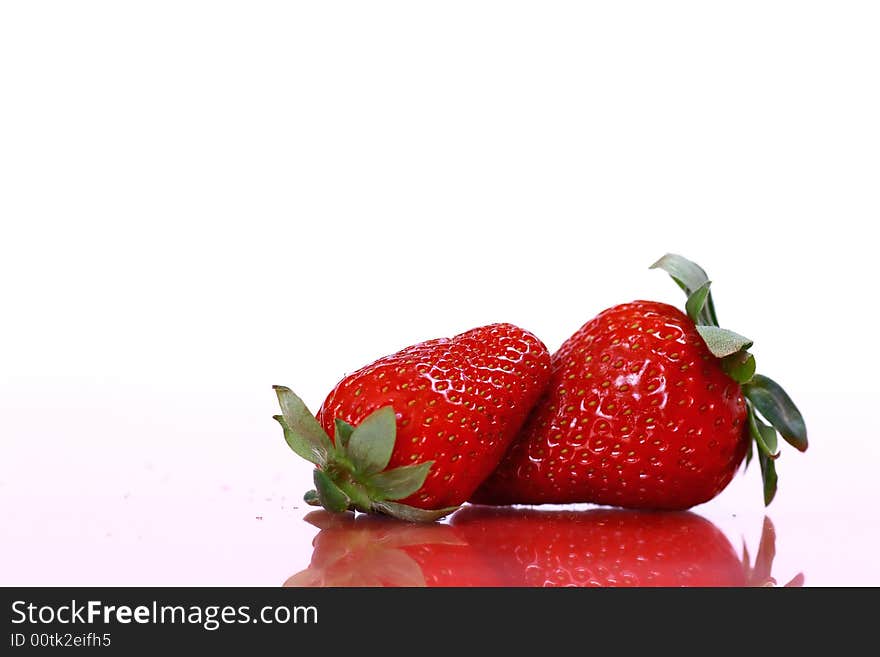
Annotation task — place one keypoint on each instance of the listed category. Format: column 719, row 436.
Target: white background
column 201, row 199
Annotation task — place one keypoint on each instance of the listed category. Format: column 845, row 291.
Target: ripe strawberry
column 375, row 551
column 647, row 408
column 415, row 433
column 612, row 547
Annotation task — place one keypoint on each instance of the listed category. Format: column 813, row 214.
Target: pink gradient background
column 199, row 200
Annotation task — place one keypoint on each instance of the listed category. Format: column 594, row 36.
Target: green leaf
column 372, row 441
column 739, row 366
column 302, row 432
column 359, row 497
column 343, row 433
column 749, row 454
column 690, row 277
column 329, row 494
column 696, row 303
column 769, row 436
column 765, row 437
column 400, row 482
column 768, row 475
column 778, row 409
column 410, row 513
column 298, row 444
column 723, row 342
column 311, row 498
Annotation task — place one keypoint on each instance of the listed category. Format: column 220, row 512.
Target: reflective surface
column 485, row 546
column 120, row 484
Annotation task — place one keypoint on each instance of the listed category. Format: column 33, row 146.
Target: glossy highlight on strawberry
column 415, row 433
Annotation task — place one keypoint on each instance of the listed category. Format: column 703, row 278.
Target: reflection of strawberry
column 416, row 432
column 647, row 408
column 372, row 551
column 610, row 547
column 760, row 574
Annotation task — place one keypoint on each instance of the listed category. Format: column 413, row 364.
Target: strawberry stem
column 763, row 395
column 352, row 474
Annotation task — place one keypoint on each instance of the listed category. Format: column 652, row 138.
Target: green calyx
column 765, row 399
column 352, row 474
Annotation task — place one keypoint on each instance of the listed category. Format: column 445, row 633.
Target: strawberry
column 416, row 432
column 612, row 547
column 375, row 551
column 648, row 407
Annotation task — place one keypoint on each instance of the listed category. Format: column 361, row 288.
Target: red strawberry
column 612, row 547
column 416, row 432
column 374, row 551
column 647, row 408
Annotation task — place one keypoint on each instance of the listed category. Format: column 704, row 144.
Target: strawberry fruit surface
column 415, row 433
column 650, row 408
